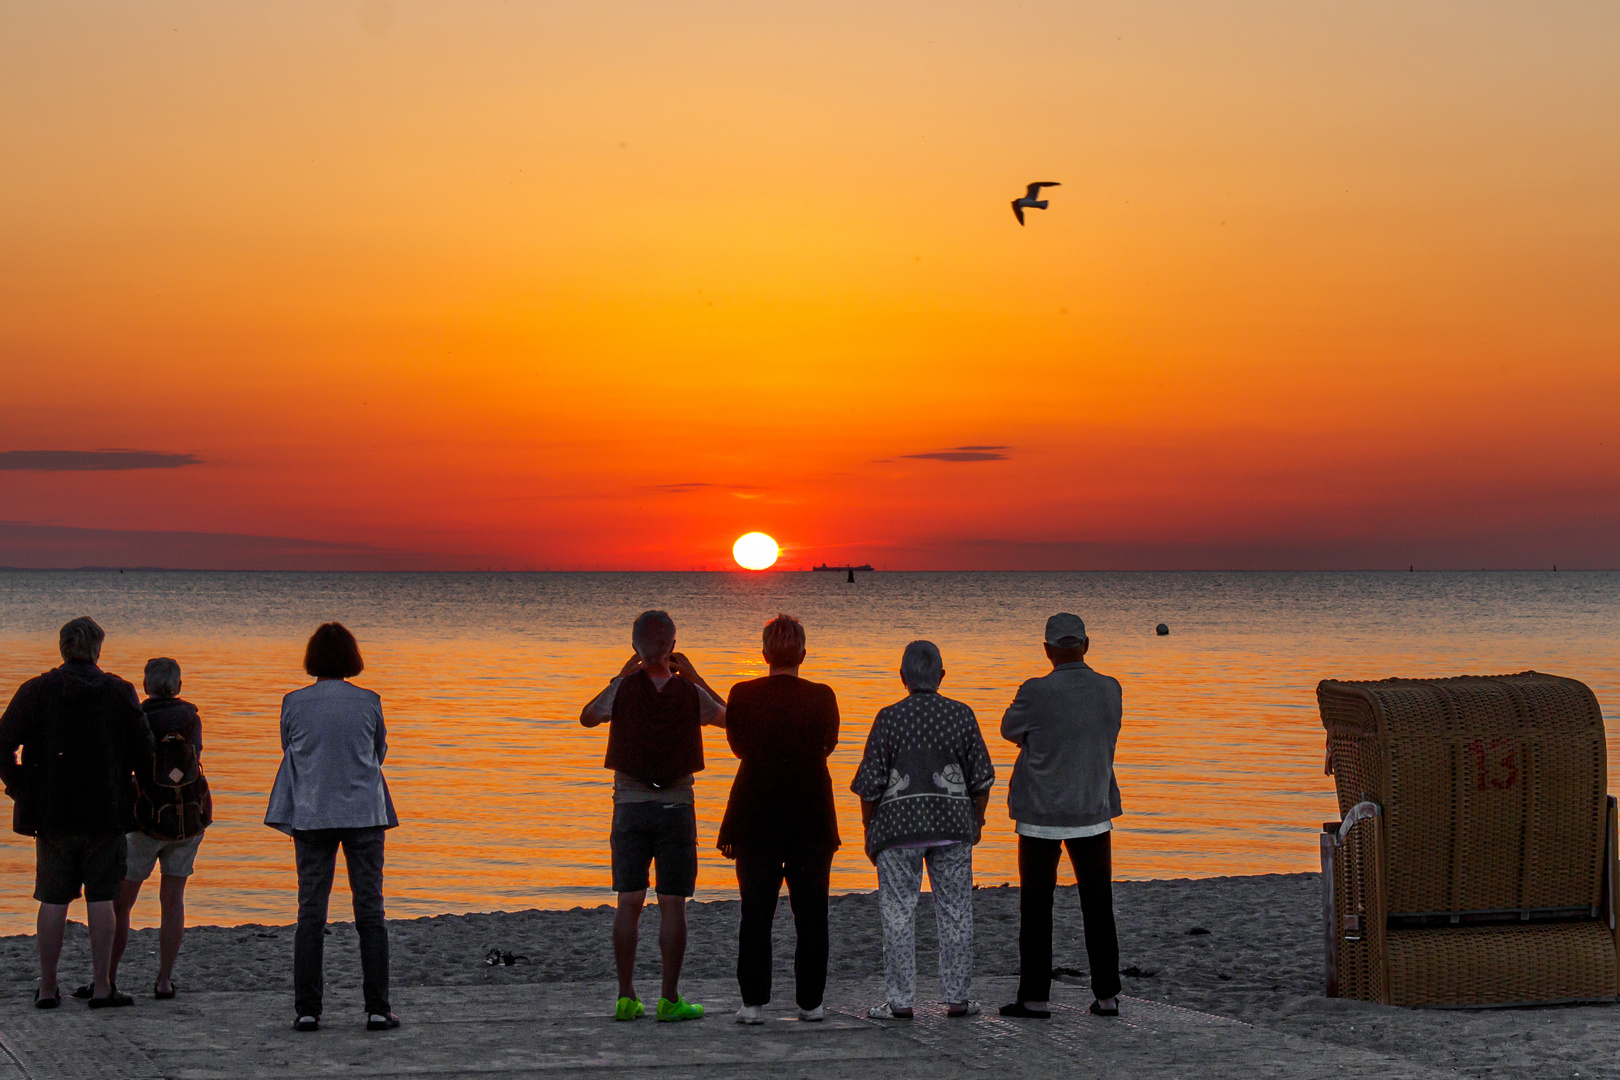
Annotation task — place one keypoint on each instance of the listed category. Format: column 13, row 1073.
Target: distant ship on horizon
column 837, row 569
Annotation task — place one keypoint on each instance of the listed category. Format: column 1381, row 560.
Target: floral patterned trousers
column 950, row 873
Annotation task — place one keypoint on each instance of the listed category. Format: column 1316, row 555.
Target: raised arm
column 600, row 708
column 711, row 706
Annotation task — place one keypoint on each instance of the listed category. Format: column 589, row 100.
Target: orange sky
column 564, row 285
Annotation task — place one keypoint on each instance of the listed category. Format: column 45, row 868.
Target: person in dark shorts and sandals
column 656, row 705
column 82, row 736
column 172, row 808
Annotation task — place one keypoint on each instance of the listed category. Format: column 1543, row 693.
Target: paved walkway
column 564, row 1030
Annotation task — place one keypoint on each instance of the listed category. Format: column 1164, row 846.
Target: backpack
column 172, row 802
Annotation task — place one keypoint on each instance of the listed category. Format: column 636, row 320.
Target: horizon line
column 1555, row 569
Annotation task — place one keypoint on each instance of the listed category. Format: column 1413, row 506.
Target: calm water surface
column 501, row 794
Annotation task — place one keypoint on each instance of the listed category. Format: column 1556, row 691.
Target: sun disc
column 755, row 551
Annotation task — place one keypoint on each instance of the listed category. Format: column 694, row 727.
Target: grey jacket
column 333, row 743
column 1065, row 724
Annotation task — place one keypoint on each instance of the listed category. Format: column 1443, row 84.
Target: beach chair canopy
column 1475, row 863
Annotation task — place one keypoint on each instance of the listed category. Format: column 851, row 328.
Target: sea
column 502, row 797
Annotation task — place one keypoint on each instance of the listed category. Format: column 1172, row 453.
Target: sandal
column 47, row 1002
column 381, row 1022
column 307, row 1023
column 1098, row 1010
column 886, row 1011
column 114, row 1000
column 166, row 995
column 967, row 1008
column 1020, row 1011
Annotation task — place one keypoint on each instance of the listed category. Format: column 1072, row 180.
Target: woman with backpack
column 172, row 808
column 330, row 793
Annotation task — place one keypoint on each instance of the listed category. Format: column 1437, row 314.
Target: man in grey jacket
column 1063, row 793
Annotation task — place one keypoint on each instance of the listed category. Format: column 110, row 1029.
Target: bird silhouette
column 1032, row 199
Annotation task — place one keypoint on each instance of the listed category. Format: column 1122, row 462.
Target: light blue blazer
column 332, row 747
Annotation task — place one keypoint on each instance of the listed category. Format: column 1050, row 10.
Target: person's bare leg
column 626, row 933
column 123, row 904
column 102, row 920
column 49, row 930
column 172, row 929
column 672, row 941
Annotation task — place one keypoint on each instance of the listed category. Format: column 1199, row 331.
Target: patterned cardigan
column 925, row 761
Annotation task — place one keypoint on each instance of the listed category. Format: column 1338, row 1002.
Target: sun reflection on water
column 502, row 796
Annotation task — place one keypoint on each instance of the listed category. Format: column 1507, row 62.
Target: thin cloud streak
column 92, row 460
column 682, row 489
column 958, row 455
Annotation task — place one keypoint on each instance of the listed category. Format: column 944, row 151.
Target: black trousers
column 760, row 874
column 317, row 861
column 1037, row 881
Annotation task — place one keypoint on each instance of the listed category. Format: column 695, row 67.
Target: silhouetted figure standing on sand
column 924, row 782
column 657, row 705
column 82, row 736
column 1063, row 793
column 330, row 793
column 780, row 821
column 172, row 808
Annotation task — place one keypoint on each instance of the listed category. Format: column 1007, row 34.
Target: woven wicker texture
column 1493, row 788
column 1501, row 965
column 1358, row 886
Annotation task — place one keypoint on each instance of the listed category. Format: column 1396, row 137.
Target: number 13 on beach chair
column 1474, row 862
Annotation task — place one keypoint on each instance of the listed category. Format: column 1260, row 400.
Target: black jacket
column 82, row 735
column 783, row 728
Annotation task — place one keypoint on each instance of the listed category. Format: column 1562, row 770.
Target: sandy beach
column 1243, row 999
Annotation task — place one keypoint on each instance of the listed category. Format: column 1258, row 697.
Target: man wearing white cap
column 1063, row 793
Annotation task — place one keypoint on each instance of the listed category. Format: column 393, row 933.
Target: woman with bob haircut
column 780, row 822
column 330, row 793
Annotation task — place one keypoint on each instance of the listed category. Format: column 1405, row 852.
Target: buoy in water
column 851, row 579
column 1161, row 630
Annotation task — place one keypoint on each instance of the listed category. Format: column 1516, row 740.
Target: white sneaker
column 751, row 1014
column 814, row 1015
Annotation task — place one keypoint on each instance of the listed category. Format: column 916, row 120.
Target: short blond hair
column 784, row 641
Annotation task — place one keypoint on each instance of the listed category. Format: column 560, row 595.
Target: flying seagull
column 1032, row 199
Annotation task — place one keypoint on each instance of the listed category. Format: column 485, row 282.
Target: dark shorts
column 64, row 863
column 655, row 832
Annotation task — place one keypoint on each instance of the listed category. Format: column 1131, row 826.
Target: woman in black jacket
column 780, row 822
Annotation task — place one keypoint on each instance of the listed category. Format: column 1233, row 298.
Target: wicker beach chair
column 1474, row 862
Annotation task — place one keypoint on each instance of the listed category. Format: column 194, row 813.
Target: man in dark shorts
column 657, row 705
column 82, row 735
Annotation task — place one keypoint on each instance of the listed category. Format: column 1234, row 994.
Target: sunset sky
column 375, row 285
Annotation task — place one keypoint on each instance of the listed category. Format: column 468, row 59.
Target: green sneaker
column 629, row 1008
column 679, row 1009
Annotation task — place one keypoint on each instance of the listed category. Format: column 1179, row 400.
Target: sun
column 756, row 551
